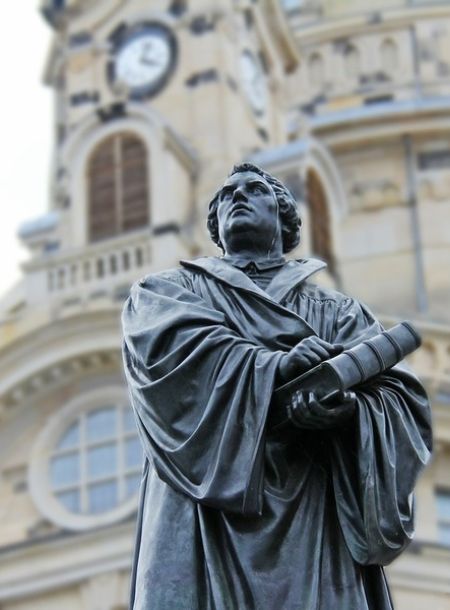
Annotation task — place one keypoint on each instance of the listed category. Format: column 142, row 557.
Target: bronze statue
column 237, row 513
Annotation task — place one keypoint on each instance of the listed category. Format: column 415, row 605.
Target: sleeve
column 376, row 460
column 200, row 392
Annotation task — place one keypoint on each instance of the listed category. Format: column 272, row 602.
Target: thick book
column 354, row 366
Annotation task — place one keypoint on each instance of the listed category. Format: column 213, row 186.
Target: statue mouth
column 240, row 207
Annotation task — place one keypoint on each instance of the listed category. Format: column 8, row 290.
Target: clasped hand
column 310, row 352
column 305, row 409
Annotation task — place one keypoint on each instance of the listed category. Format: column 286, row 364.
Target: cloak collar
column 290, row 275
column 260, row 265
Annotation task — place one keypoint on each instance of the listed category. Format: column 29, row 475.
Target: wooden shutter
column 117, row 186
column 134, row 184
column 102, row 192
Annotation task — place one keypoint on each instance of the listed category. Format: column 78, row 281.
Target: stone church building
column 346, row 101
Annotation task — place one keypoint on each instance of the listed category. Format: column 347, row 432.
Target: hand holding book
column 305, row 400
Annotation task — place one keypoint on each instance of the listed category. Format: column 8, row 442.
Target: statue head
column 254, row 210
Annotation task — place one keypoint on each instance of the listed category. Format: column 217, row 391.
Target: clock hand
column 149, row 62
column 156, row 60
column 145, row 50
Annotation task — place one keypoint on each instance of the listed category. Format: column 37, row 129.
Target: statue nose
column 239, row 195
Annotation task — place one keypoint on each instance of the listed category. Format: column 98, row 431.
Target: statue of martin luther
column 233, row 514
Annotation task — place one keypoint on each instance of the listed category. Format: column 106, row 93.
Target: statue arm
column 200, row 392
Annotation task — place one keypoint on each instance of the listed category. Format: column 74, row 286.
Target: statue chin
column 245, row 236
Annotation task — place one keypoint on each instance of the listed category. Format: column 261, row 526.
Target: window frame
column 40, row 485
column 106, row 170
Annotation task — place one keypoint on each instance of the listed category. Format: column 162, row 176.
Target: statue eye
column 226, row 194
column 257, row 188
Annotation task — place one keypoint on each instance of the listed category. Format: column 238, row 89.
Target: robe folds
column 233, row 516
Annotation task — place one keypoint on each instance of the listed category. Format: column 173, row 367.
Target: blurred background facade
column 349, row 104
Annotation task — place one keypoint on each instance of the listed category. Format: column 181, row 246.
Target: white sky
column 26, row 129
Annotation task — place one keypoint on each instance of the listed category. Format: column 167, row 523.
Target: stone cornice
column 63, row 559
column 332, row 28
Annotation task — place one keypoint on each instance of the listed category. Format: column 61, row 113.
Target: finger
column 309, row 413
column 315, row 408
column 311, row 341
column 317, row 351
column 325, row 416
column 341, row 398
column 305, row 358
column 331, row 350
column 297, row 399
column 320, row 351
column 335, row 347
column 349, row 396
column 304, row 417
column 310, row 359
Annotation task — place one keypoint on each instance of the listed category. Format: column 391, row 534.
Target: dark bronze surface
column 234, row 515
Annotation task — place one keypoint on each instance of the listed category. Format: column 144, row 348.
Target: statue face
column 247, row 212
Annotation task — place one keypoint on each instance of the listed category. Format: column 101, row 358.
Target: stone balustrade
column 93, row 270
column 96, row 268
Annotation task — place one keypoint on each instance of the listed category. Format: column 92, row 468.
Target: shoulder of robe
column 155, row 283
column 321, row 293
column 177, row 275
column 347, row 307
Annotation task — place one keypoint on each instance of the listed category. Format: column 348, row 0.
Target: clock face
column 254, row 82
column 144, row 59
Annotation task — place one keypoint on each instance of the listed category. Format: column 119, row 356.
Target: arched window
column 352, row 61
column 316, row 69
column 117, row 186
column 96, row 463
column 86, row 463
column 389, row 56
column 320, row 221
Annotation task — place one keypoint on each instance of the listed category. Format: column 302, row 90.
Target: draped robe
column 232, row 516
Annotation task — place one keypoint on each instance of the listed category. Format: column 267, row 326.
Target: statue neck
column 252, row 251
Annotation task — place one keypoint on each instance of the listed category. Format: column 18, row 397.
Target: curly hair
column 287, row 205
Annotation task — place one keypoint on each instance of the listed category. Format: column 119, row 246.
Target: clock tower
column 197, row 85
